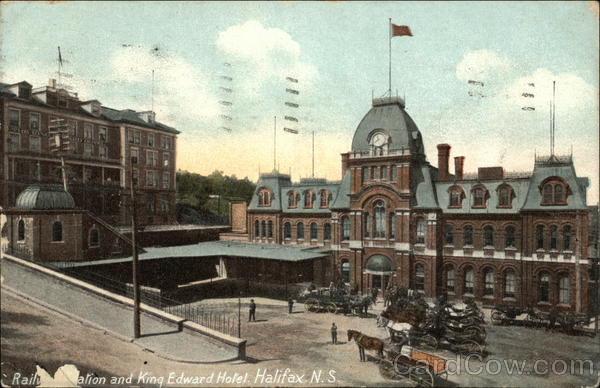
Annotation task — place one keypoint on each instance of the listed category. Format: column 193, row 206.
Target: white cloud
column 572, row 92
column 269, row 53
column 481, row 65
column 181, row 89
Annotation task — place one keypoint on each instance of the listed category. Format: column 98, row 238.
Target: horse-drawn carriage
column 457, row 329
column 334, row 301
column 402, row 361
column 566, row 321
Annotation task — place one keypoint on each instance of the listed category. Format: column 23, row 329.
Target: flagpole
column 390, row 57
column 274, row 143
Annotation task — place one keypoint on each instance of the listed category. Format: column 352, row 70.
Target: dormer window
column 325, row 198
column 293, row 199
column 456, row 196
column 505, row 196
column 480, row 195
column 554, row 191
column 24, row 92
column 264, row 197
column 309, row 198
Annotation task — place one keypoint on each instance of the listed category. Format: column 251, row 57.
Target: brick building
column 104, row 145
column 496, row 236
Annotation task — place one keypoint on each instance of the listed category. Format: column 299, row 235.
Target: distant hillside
column 209, row 196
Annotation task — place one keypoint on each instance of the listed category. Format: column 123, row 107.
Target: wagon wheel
column 331, row 307
column 497, row 317
column 421, row 374
column 429, row 341
column 470, row 347
column 475, row 331
column 309, row 304
column 401, row 368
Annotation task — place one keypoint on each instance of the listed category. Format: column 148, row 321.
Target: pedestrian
column 552, row 319
column 252, row 311
column 290, row 305
column 374, row 293
column 333, row 334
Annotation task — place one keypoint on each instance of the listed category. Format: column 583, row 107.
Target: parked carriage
column 566, row 321
column 335, row 301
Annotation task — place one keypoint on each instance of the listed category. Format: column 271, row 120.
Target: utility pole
column 240, row 315
column 135, row 269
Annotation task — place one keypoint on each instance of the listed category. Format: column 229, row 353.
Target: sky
column 205, row 53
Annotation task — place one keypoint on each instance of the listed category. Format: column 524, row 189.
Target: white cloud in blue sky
column 339, row 52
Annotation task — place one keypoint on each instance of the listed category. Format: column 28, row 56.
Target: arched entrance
column 380, row 269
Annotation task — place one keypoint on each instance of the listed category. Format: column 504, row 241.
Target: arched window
column 313, row 231
column 505, row 194
column 564, row 289
column 345, row 271
column 94, row 237
column 554, row 237
column 544, row 287
column 468, row 235
column 327, row 231
column 509, row 283
column 554, row 191
column 456, row 196
column 567, row 237
column 392, row 219
column 419, row 277
column 367, row 225
column 488, row 236
column 57, row 231
column 264, row 197
column 469, row 281
column 325, row 198
column 300, row 231
column 256, row 228
column 539, row 236
column 449, row 234
column 380, row 221
column 309, row 198
column 270, row 229
column 287, row 230
column 548, row 194
column 510, row 240
column 21, row 231
column 558, row 193
column 293, row 198
column 345, row 228
column 450, row 275
column 421, row 231
column 263, row 229
column 479, row 197
column 489, row 280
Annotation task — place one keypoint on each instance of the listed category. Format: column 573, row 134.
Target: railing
column 368, row 154
column 213, row 316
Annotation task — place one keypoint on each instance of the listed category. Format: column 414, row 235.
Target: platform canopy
column 216, row 249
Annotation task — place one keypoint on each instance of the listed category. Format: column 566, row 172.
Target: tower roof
column 387, row 115
column 44, row 197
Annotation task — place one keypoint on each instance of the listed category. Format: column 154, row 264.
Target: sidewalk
column 157, row 336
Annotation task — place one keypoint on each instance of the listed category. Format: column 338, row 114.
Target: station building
column 496, row 236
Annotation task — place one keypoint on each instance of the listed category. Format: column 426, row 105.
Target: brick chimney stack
column 443, row 156
column 459, row 165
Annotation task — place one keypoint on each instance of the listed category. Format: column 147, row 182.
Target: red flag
column 401, row 30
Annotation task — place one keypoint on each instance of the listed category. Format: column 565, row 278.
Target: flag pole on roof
column 394, row 30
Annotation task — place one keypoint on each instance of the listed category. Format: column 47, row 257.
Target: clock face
column 379, row 139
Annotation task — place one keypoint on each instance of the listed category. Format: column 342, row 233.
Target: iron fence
column 216, row 316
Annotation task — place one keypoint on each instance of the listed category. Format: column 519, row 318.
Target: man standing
column 252, row 311
column 290, row 305
column 333, row 334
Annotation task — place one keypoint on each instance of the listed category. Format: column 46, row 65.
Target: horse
column 365, row 342
column 411, row 316
column 362, row 304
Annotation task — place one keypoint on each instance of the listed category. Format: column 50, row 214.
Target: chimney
column 52, row 83
column 443, row 156
column 459, row 165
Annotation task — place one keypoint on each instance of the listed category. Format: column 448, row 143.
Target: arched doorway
column 380, row 269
